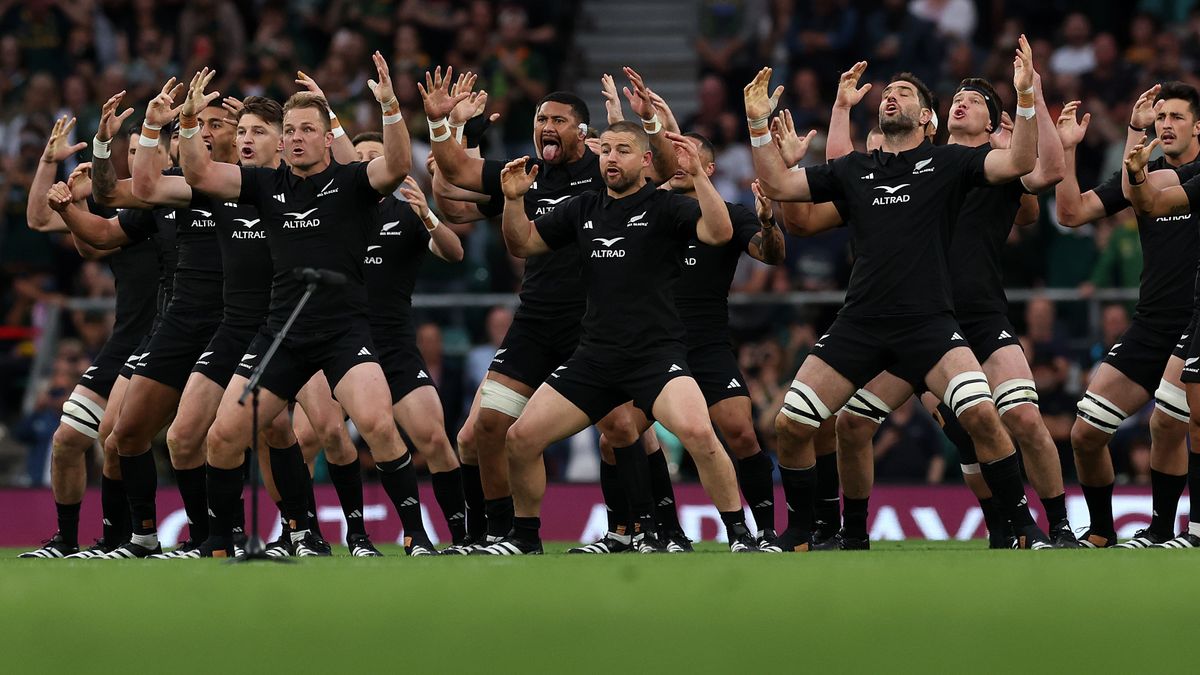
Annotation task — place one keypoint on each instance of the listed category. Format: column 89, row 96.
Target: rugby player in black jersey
column 318, row 213
column 702, row 300
column 405, row 232
column 1163, row 193
column 983, row 224
column 1148, row 359
column 630, row 242
column 545, row 328
column 902, row 202
column 135, row 271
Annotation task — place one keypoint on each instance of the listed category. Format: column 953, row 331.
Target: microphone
column 320, row 277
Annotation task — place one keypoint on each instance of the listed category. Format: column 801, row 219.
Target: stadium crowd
column 67, row 57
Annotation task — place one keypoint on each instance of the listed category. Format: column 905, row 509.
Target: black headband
column 993, row 106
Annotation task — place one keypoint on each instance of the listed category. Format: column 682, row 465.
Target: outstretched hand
column 196, row 99
column 848, row 92
column 57, row 149
column 792, row 147
column 1070, row 131
column 514, row 181
column 110, row 121
column 760, row 101
column 1139, row 156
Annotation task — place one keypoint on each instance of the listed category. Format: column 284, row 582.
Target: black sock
column 347, row 481
column 1166, row 490
column 310, row 506
column 239, row 514
column 141, row 484
column 633, row 470
column 735, row 524
column 195, row 501
column 291, row 478
column 958, row 436
column 499, row 516
column 473, row 494
column 827, row 505
column 1194, row 487
column 663, row 492
column 614, row 499
column 448, row 490
column 1099, row 503
column 224, row 491
column 399, row 480
column 997, row 525
column 1056, row 510
column 68, row 523
column 758, row 487
column 798, row 492
column 527, row 528
column 114, row 506
column 856, row 517
column 1003, row 477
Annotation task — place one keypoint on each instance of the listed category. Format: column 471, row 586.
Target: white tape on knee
column 1173, row 401
column 802, row 405
column 496, row 396
column 83, row 415
column 1100, row 412
column 1012, row 393
column 967, row 390
column 970, row 469
column 868, row 406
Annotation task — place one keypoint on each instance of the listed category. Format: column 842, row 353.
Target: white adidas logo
column 86, row 373
column 674, row 368
column 588, row 225
column 870, row 176
column 956, row 336
column 421, row 374
column 280, row 198
column 364, row 352
column 1004, row 335
column 555, row 373
column 355, row 514
column 734, row 384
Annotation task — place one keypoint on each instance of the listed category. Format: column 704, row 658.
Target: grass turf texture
column 913, row 606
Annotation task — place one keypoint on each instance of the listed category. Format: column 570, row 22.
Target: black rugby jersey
column 702, row 292
column 135, row 270
column 322, row 221
column 394, row 255
column 198, row 280
column 901, row 210
column 158, row 225
column 631, row 254
column 551, row 288
column 1170, row 250
column 984, row 223
column 246, row 259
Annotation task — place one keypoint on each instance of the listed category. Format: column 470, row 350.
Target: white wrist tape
column 338, row 132
column 188, row 132
column 147, row 142
column 759, row 141
column 652, row 126
column 1025, row 113
column 152, row 127
column 392, row 119
column 434, row 219
column 100, row 148
column 458, row 130
column 437, row 136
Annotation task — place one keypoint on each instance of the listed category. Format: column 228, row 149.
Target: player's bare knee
column 981, row 421
column 741, row 439
column 853, row 430
column 521, row 442
column 791, row 431
column 1087, row 439
column 69, row 443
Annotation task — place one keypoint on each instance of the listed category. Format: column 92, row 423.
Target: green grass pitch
column 903, row 607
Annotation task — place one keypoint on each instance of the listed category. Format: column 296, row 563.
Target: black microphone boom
column 320, row 277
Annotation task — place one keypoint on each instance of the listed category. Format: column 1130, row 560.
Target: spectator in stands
column 37, row 428
column 516, row 77
column 901, row 42
column 908, row 447
column 446, row 374
column 212, row 33
column 1142, row 33
column 1112, row 78
column 1043, row 342
column 438, row 21
column 1077, row 55
column 41, row 29
column 479, row 358
column 1114, row 321
column 820, row 35
column 725, row 37
column 953, row 18
column 1120, row 261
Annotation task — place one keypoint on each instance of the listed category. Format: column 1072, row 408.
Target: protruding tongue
column 550, row 151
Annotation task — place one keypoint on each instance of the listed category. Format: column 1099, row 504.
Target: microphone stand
column 255, row 549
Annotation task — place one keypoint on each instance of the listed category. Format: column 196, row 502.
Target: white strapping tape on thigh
column 970, row 469
column 1173, row 401
column 868, row 406
column 1100, row 412
column 967, row 390
column 83, row 415
column 496, row 396
column 1012, row 393
column 802, row 405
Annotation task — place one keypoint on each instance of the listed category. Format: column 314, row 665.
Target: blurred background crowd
column 67, row 56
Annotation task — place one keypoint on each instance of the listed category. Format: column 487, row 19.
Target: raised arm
column 108, row 190
column 1072, row 207
column 343, row 146
column 767, row 245
column 792, row 147
column 1152, row 195
column 520, row 234
column 457, row 167
column 662, row 160
column 714, row 227
column 612, row 101
column 776, row 181
column 102, row 233
column 217, row 179
column 388, row 171
column 149, row 185
column 848, row 96
column 444, row 243
column 38, row 214
column 1002, row 166
column 1051, row 165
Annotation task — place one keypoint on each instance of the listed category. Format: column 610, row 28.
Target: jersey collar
column 907, row 156
column 631, row 201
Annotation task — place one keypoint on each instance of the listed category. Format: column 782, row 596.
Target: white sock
column 1194, row 528
column 298, row 535
column 149, row 541
column 623, row 538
